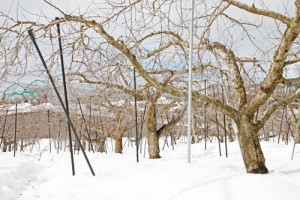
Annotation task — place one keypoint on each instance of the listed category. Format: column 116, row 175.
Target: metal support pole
column 15, row 138
column 224, row 120
column 217, row 122
column 190, row 84
column 86, row 127
column 205, row 117
column 136, row 118
column 60, row 100
column 280, row 124
column 66, row 94
column 49, row 129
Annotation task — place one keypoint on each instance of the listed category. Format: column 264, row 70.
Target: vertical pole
column 205, row 119
column 86, row 127
column 141, row 130
column 66, row 94
column 60, row 99
column 190, row 84
column 136, row 118
column 287, row 126
column 81, row 126
column 280, row 128
column 15, row 138
column 224, row 121
column 90, row 122
column 49, row 129
column 217, row 124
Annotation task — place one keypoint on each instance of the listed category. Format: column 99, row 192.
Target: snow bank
column 15, row 175
column 208, row 176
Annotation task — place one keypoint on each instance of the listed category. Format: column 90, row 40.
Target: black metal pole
column 280, row 125
column 141, row 130
column 15, row 138
column 60, row 99
column 217, row 124
column 287, row 134
column 205, row 118
column 85, row 124
column 66, row 94
column 224, row 119
column 81, row 126
column 49, row 131
column 136, row 118
column 3, row 130
column 90, row 121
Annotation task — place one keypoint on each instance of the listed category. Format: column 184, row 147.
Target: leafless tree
column 105, row 44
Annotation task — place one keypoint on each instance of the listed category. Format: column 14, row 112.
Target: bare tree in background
column 151, row 37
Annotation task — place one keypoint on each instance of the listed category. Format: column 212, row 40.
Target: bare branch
column 254, row 10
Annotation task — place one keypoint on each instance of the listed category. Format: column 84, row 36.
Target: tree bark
column 230, row 130
column 250, row 146
column 153, row 136
column 4, row 148
column 118, row 145
column 298, row 136
column 101, row 144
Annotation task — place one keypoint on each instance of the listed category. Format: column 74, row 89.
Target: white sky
column 27, row 9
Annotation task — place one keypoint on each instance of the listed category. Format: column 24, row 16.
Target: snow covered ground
column 46, row 176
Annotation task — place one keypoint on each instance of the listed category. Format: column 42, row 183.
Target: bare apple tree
column 237, row 45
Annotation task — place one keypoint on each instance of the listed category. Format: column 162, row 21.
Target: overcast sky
column 27, row 9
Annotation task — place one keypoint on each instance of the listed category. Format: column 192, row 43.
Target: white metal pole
column 190, row 84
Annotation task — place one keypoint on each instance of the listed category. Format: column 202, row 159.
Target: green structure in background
column 35, row 89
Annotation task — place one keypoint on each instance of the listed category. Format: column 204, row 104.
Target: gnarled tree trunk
column 230, row 130
column 118, row 145
column 101, row 143
column 253, row 156
column 153, row 136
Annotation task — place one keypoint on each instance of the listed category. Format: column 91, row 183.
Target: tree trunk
column 118, row 145
column 153, row 137
column 298, row 136
column 4, row 148
column 250, row 147
column 101, row 144
column 298, row 139
column 84, row 144
column 230, row 130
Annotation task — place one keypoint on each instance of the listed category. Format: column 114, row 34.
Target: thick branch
column 276, row 70
column 236, row 77
column 254, row 10
column 167, row 127
column 274, row 106
column 119, row 87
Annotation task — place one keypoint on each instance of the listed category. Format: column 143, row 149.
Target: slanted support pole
column 60, row 100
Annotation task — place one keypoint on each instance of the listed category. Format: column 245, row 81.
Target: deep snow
column 48, row 176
